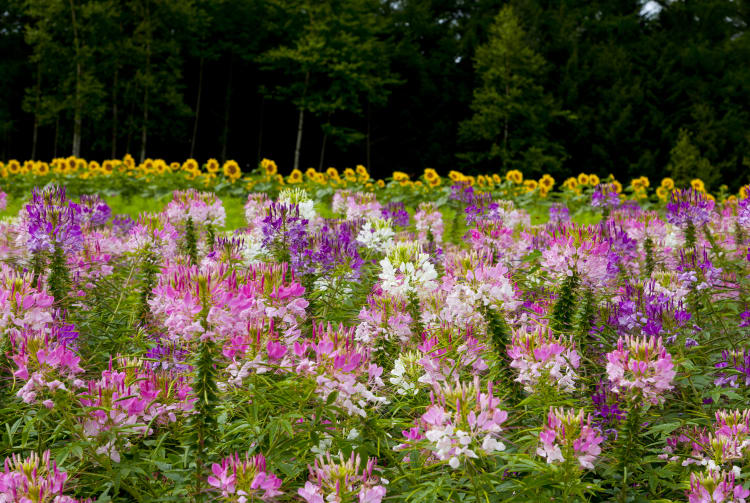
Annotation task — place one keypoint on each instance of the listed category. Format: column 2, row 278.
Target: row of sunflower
column 267, row 176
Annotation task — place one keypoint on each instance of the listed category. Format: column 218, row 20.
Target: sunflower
column 320, row 178
column 191, row 166
column 546, row 182
column 530, row 185
column 430, row 174
column 406, row 183
column 456, row 176
column 640, row 183
column 543, row 191
column 107, row 167
column 418, row 184
column 380, row 184
column 496, row 178
column 697, row 184
column 212, row 166
column 350, row 175
column 41, row 169
column 571, row 183
column 662, row 193
column 711, row 197
column 269, row 167
column 279, row 179
column 362, row 173
column 208, row 178
column 231, row 170
column 667, row 183
column 295, row 176
column 311, row 173
column 333, row 174
column 616, row 186
column 400, row 176
column 744, row 191
column 435, row 182
column 514, row 176
column 583, row 179
column 594, row 180
column 732, row 200
column 481, row 181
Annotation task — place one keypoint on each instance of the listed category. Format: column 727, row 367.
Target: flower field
column 426, row 339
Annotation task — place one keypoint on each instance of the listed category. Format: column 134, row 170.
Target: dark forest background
column 612, row 86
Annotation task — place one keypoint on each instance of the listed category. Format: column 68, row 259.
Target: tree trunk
column 299, row 137
column 197, row 108
column 368, row 144
column 37, row 91
column 77, row 116
column 114, row 114
column 322, row 152
column 57, row 133
column 260, row 130
column 300, row 122
column 227, row 108
column 144, row 127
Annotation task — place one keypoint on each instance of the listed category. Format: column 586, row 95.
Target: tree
column 512, row 111
column 686, row 163
column 335, row 62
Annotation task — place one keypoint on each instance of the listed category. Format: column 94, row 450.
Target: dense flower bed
column 379, row 353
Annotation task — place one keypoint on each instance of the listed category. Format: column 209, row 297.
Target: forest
column 602, row 86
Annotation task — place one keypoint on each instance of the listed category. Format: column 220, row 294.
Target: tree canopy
column 626, row 87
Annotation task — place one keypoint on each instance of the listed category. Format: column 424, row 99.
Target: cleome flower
column 569, row 434
column 641, row 366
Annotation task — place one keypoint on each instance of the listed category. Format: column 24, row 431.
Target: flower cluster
column 567, row 435
column 243, row 480
column 53, row 222
column 33, row 479
column 641, row 366
column 541, row 358
column 338, row 481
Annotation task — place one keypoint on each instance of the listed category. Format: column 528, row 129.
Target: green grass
column 132, row 206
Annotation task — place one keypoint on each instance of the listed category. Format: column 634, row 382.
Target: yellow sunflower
column 311, row 173
column 456, row 176
column 333, row 173
column 744, row 191
column 594, row 180
column 269, row 167
column 546, row 182
column 571, row 183
column 362, row 173
column 514, row 176
column 583, row 179
column 295, row 176
column 41, row 169
column 380, row 184
column 400, row 176
column 662, row 193
column 667, row 183
column 530, row 185
column 350, row 175
column 231, row 170
column 698, row 185
column 212, row 166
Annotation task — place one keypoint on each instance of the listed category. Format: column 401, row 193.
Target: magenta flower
column 641, row 367
column 568, row 435
column 33, row 479
column 241, row 480
column 541, row 358
column 715, row 486
column 336, row 480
